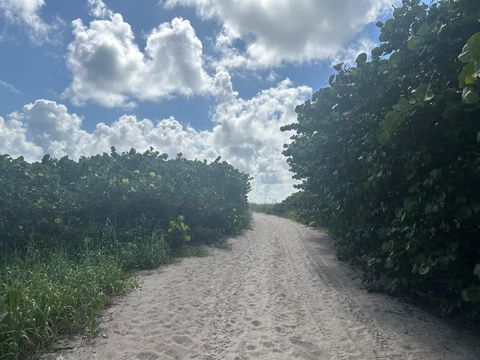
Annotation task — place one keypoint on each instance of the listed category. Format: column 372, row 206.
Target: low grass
column 47, row 294
column 193, row 251
column 223, row 244
column 44, row 296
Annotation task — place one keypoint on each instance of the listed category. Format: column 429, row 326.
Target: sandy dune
column 279, row 294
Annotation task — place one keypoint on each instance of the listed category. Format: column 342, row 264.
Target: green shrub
column 264, row 208
column 390, row 153
column 103, row 197
column 299, row 206
column 178, row 233
column 101, row 217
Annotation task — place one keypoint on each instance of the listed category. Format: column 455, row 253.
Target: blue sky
column 201, row 77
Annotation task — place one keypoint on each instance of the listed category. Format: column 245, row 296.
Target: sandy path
column 279, row 294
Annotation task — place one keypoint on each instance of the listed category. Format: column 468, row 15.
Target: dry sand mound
column 279, row 294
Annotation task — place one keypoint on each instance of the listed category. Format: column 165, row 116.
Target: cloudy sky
column 201, row 77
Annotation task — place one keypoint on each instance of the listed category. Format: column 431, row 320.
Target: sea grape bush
column 178, row 232
column 71, row 232
column 300, row 206
column 109, row 197
column 390, row 153
column 469, row 78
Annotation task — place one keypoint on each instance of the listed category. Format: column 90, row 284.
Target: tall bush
column 71, row 232
column 390, row 150
column 113, row 197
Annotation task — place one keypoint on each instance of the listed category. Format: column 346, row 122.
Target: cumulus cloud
column 13, row 139
column 98, row 9
column 108, row 67
column 285, row 31
column 54, row 129
column 26, row 13
column 246, row 133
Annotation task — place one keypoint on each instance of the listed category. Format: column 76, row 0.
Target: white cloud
column 26, row 13
column 285, row 31
column 246, row 133
column 167, row 136
column 98, row 9
column 13, row 140
column 272, row 76
column 349, row 54
column 55, row 130
column 9, row 87
column 108, row 67
column 175, row 61
column 51, row 129
column 104, row 61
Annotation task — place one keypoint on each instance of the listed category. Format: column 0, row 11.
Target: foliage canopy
column 390, row 156
column 111, row 196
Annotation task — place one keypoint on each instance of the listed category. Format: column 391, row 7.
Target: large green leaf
column 361, row 59
column 471, row 294
column 476, row 271
column 470, row 96
column 474, row 45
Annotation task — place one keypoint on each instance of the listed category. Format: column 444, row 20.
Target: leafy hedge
column 113, row 197
column 390, row 155
column 299, row 206
column 71, row 232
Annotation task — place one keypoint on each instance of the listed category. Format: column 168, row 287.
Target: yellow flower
column 152, row 174
column 136, row 171
column 125, row 181
column 40, row 201
column 58, row 221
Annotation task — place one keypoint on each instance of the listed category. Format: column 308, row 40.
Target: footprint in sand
column 268, row 344
column 182, row 340
column 147, row 355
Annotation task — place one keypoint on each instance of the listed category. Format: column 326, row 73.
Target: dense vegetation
column 71, row 231
column 389, row 157
column 300, row 206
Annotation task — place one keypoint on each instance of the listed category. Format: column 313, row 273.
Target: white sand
column 279, row 294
